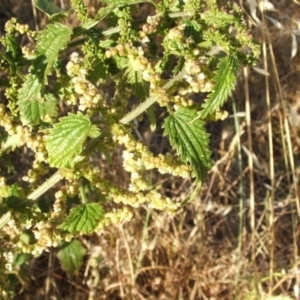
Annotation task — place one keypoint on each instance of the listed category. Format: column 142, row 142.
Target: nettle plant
column 73, row 114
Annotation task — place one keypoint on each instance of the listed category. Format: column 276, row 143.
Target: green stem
column 169, row 108
column 48, row 184
column 180, row 14
column 149, row 101
column 138, row 110
column 193, row 195
column 82, row 195
column 111, row 31
column 4, row 219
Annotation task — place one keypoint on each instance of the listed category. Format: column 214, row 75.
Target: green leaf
column 71, row 256
column 106, row 44
column 11, row 143
column 192, row 30
column 33, row 107
column 12, row 201
column 66, row 139
column 26, row 237
column 22, row 258
column 99, row 72
column 140, row 87
column 122, row 63
column 52, row 40
column 190, row 139
column 14, row 190
column 94, row 132
column 221, row 18
column 225, row 80
column 47, row 7
column 193, row 195
column 13, row 46
column 31, row 88
column 152, row 118
column 83, row 218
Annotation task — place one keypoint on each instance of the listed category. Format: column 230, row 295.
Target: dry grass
column 239, row 239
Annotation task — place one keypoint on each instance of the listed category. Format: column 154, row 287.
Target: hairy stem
column 48, row 184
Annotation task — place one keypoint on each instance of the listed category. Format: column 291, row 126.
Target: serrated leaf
column 134, row 77
column 122, row 62
column 192, row 30
column 190, row 139
column 225, row 80
column 16, row 204
column 13, row 46
column 34, row 110
column 71, row 256
column 66, row 139
column 31, row 88
column 83, row 219
column 52, row 40
column 12, row 142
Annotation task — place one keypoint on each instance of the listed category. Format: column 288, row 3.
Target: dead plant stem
column 250, row 163
column 271, row 195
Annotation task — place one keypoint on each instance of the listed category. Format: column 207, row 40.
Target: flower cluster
column 115, row 217
column 13, row 26
column 6, row 121
column 90, row 98
column 196, row 78
column 138, row 157
column 133, row 198
column 137, row 61
column 136, row 199
column 149, row 28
